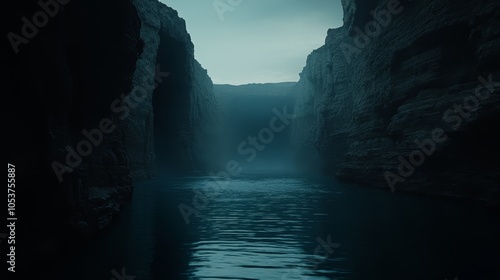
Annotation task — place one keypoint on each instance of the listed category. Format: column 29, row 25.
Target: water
column 283, row 227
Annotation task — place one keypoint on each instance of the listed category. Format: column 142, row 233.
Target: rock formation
column 180, row 104
column 91, row 87
column 399, row 98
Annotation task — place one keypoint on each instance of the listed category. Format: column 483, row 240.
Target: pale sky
column 257, row 41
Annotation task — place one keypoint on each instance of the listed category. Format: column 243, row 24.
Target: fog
column 256, row 123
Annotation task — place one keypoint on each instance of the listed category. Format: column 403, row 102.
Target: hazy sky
column 257, row 41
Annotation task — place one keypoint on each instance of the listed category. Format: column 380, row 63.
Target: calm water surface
column 283, row 227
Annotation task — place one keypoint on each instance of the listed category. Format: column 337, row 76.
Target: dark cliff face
column 180, row 105
column 79, row 110
column 400, row 98
column 61, row 82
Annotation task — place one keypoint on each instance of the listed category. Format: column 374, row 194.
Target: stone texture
column 64, row 80
column 177, row 114
column 361, row 111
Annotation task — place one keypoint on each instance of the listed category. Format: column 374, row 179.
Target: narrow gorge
column 127, row 154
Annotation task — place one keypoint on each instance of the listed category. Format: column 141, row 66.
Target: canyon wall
column 404, row 96
column 90, row 88
column 178, row 101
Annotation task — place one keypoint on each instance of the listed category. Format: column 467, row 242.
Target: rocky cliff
column 171, row 123
column 404, row 96
column 91, row 87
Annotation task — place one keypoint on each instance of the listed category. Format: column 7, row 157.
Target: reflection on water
column 261, row 229
column 291, row 228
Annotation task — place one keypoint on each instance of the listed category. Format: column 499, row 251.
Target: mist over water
column 272, row 220
column 255, row 125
